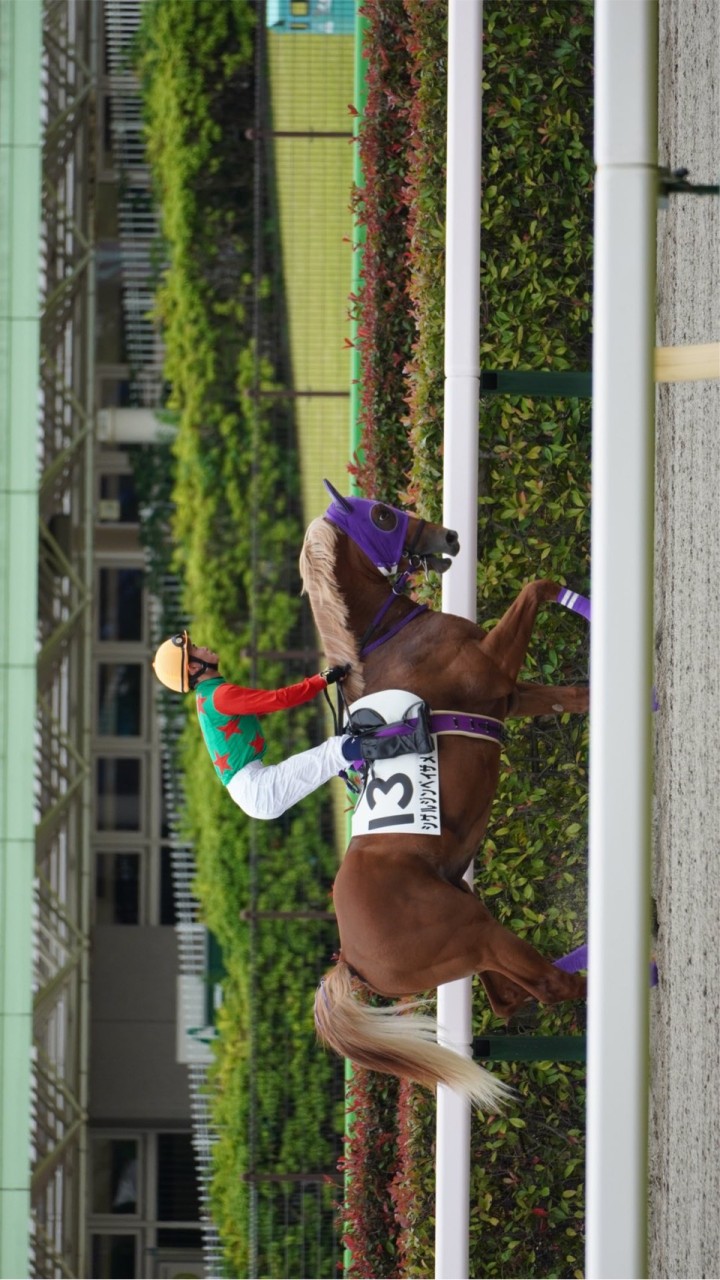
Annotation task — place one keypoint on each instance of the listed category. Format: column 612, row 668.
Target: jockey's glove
column 333, row 674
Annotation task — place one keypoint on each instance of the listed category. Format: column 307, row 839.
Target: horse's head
column 387, row 536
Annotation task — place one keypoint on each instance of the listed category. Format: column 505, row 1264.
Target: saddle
column 379, row 740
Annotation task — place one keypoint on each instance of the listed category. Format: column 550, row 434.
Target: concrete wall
column 685, row 1096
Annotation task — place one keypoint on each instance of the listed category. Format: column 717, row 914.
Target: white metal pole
column 462, row 389
column 621, row 644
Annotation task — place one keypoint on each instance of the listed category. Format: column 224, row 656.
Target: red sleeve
column 234, row 700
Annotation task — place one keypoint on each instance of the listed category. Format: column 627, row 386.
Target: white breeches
column 267, row 790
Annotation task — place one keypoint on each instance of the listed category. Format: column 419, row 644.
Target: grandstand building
column 105, row 1006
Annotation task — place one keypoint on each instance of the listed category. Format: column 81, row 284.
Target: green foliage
column 275, row 1098
column 371, row 1229
column 385, row 327
column 533, row 520
column 226, row 504
column 526, row 1197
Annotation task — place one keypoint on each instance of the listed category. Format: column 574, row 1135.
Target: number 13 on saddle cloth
column 403, row 793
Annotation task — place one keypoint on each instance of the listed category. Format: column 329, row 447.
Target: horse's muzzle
column 439, row 564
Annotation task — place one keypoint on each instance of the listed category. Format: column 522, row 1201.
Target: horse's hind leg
column 510, row 969
column 502, row 952
column 507, row 644
column 505, row 997
column 544, row 700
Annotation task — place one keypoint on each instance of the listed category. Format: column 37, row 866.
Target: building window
column 188, row 1239
column 121, row 604
column 177, row 1191
column 114, row 391
column 117, row 888
column 144, row 1208
column 119, row 690
column 118, row 498
column 118, row 793
column 115, row 1175
column 114, row 1256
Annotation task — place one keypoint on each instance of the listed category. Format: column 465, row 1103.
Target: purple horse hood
column 383, row 546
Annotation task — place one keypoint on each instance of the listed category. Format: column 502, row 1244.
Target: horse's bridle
column 397, row 588
column 416, row 561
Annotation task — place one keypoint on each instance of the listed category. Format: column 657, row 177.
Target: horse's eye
column 383, row 517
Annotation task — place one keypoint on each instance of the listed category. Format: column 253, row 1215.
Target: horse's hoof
column 581, row 1016
column 523, row 1017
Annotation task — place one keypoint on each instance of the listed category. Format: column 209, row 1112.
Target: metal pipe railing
column 459, row 590
column 621, row 651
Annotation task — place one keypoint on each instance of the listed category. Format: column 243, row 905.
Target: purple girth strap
column 461, row 722
column 464, row 723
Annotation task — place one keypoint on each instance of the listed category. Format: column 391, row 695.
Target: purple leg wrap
column 580, row 604
column 576, row 603
column 574, row 960
column 578, row 959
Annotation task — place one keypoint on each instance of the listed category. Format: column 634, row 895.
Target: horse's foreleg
column 544, row 700
column 507, row 644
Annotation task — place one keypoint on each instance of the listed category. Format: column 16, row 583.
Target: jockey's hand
column 332, row 674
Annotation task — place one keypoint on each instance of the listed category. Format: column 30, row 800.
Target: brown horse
column 407, row 920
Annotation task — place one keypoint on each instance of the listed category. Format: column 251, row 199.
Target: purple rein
column 397, row 590
column 568, row 599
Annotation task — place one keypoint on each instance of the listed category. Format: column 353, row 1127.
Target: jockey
column 228, row 720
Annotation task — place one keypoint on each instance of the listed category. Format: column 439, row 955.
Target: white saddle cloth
column 401, row 794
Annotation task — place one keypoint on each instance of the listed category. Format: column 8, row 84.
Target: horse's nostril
column 451, row 538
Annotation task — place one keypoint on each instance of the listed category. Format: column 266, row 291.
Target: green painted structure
column 20, row 166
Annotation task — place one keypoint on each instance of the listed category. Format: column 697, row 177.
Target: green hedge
column 234, row 538
column 533, row 520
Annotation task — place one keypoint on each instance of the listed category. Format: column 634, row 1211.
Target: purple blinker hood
column 353, row 515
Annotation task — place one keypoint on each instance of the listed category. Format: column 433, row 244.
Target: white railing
column 138, row 224
column 459, row 589
column 622, row 541
column 621, row 647
column 192, row 956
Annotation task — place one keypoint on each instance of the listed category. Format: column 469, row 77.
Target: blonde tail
column 398, row 1043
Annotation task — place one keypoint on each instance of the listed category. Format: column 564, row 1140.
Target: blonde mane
column 317, row 569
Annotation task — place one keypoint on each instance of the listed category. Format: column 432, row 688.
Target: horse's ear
column 338, row 497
